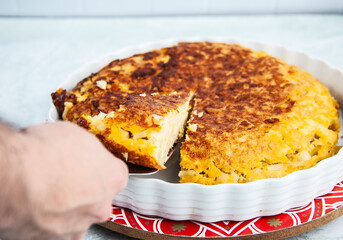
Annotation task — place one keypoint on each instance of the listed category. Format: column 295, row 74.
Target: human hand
column 67, row 181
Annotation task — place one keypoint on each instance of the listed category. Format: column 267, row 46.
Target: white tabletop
column 37, row 54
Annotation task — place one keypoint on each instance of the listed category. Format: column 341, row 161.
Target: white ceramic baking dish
column 160, row 194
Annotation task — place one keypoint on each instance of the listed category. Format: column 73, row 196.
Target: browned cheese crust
column 240, row 97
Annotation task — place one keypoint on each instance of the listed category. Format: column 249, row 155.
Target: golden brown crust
column 262, row 119
column 244, row 99
column 235, row 78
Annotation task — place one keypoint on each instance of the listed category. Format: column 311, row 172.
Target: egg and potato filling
column 137, row 143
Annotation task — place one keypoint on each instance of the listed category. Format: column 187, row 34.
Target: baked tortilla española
column 250, row 115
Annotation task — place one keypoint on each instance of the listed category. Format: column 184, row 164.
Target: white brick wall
column 164, row 7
